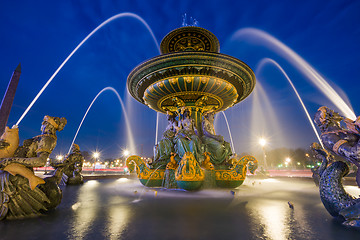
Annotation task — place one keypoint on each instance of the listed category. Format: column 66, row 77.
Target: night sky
column 41, row 34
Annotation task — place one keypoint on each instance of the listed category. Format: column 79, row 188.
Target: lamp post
column 126, row 153
column 263, row 142
column 96, row 155
column 287, row 161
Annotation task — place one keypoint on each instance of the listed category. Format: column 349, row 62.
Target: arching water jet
column 128, row 127
column 228, row 127
column 265, row 61
column 298, row 62
column 120, row 15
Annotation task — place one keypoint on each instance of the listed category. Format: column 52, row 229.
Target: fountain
column 191, row 82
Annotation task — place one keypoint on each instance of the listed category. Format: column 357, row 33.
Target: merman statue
column 71, row 167
column 22, row 193
column 343, row 142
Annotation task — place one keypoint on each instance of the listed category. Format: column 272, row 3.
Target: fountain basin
column 190, row 76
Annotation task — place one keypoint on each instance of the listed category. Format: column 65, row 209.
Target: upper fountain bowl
column 191, row 72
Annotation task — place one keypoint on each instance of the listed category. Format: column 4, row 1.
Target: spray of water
column 228, row 127
column 157, row 127
column 120, row 15
column 142, row 191
column 298, row 62
column 265, row 61
column 128, row 127
column 270, row 129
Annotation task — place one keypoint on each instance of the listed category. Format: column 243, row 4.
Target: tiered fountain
column 190, row 82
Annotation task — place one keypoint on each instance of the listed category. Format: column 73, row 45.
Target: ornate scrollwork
column 238, row 172
column 189, row 169
column 143, row 172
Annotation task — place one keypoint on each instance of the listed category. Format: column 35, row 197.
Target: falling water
column 227, row 124
column 120, row 15
column 128, row 127
column 269, row 129
column 268, row 61
column 142, row 191
column 299, row 63
column 157, row 127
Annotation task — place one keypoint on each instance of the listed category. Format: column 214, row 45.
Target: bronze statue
column 22, row 193
column 165, row 147
column 343, row 142
column 186, row 138
column 214, row 144
column 339, row 140
column 71, row 167
column 324, row 157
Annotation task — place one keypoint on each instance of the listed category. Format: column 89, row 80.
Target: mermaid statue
column 219, row 149
column 22, row 193
column 165, row 147
column 187, row 137
column 343, row 142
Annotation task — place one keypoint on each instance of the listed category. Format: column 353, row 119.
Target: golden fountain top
column 191, row 72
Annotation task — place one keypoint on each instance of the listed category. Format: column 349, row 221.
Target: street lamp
column 263, row 142
column 287, row 161
column 96, row 155
column 126, row 153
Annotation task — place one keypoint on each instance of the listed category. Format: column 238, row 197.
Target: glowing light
column 287, row 161
column 59, row 157
column 96, row 155
column 126, row 153
column 262, row 141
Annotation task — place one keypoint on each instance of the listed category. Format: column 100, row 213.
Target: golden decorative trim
column 189, row 169
column 338, row 144
column 238, row 172
column 241, row 80
column 144, row 172
column 161, row 100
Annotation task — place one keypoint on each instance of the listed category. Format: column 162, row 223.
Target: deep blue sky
column 41, row 34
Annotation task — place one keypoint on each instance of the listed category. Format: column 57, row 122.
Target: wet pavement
column 123, row 209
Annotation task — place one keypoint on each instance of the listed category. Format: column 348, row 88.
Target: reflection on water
column 274, row 217
column 118, row 217
column 85, row 210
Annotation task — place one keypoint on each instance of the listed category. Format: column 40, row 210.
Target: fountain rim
column 143, row 75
